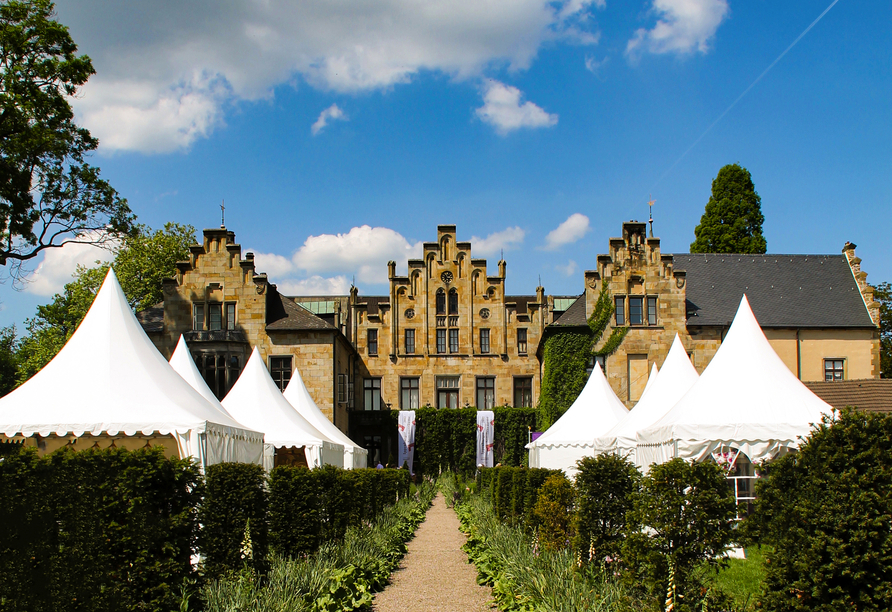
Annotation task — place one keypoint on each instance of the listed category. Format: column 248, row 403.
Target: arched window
column 441, row 302
column 444, row 250
column 453, row 302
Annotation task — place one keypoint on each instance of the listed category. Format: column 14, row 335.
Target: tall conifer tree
column 732, row 222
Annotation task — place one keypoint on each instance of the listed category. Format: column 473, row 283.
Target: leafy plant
column 554, row 511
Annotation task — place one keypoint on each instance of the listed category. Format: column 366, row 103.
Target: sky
column 340, row 133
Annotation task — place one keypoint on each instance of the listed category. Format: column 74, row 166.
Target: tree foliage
column 732, row 222
column 49, row 195
column 882, row 294
column 827, row 512
column 567, row 355
column 141, row 262
column 9, row 362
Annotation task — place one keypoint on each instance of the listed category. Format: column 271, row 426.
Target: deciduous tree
column 882, row 294
column 732, row 222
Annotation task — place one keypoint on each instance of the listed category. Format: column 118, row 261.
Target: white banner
column 486, row 430
column 406, row 428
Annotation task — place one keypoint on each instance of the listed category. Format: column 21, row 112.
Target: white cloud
column 167, row 71
column 502, row 109
column 594, row 66
column 275, row 266
column 316, row 285
column 571, row 230
column 59, row 264
column 567, row 270
column 507, row 239
column 329, row 114
column 683, row 26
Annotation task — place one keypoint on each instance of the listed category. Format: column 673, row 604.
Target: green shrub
column 827, row 511
column 554, row 511
column 512, row 433
column 235, row 503
column 604, row 487
column 535, row 478
column 446, row 440
column 96, row 530
column 295, row 526
column 687, row 513
column 338, row 501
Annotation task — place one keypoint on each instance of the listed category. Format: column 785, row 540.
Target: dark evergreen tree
column 732, row 222
column 882, row 294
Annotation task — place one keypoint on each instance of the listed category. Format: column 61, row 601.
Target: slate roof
column 874, row 395
column 574, row 316
column 283, row 314
column 373, row 302
column 521, row 302
column 789, row 291
column 152, row 318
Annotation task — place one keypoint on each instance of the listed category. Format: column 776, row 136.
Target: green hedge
column 513, row 491
column 96, row 530
column 295, row 524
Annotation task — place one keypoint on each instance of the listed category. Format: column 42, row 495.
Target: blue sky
column 341, row 132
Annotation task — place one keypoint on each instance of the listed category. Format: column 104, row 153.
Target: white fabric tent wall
column 674, row 380
column 595, row 411
column 256, row 400
column 109, row 379
column 298, row 396
column 746, row 399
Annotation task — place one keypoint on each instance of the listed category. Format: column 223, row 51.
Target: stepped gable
column 786, row 291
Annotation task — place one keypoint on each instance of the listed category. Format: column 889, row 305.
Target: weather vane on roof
column 651, row 203
column 222, row 213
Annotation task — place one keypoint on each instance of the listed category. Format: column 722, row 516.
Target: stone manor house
column 449, row 335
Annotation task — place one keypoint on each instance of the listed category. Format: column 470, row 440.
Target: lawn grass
column 742, row 579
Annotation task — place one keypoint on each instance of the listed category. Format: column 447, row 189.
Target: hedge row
column 514, row 491
column 116, row 530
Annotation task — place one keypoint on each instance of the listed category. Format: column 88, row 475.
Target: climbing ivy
column 566, row 357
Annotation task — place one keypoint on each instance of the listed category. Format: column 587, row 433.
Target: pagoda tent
column 747, row 400
column 184, row 365
column 256, row 400
column 595, row 411
column 298, row 396
column 110, row 386
column 674, row 380
column 651, row 379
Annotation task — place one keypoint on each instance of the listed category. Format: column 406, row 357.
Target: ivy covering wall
column 566, row 357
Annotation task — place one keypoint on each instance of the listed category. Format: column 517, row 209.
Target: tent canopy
column 746, row 398
column 674, row 380
column 595, row 411
column 110, row 379
column 256, row 400
column 299, row 397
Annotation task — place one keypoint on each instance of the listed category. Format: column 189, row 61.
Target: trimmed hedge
column 514, row 491
column 96, row 530
column 295, row 524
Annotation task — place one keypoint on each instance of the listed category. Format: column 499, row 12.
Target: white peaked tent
column 746, row 399
column 298, row 396
column 256, row 400
column 110, row 380
column 594, row 412
column 674, row 380
column 651, row 379
column 181, row 361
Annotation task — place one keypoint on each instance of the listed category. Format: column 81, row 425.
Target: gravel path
column 435, row 573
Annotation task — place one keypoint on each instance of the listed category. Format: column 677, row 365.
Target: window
column 410, row 341
column 453, row 340
column 409, row 397
column 441, row 341
column 219, row 370
column 349, row 394
column 486, row 393
column 230, row 316
column 651, row 311
column 636, row 314
column 484, row 340
column 371, row 393
column 834, row 369
column 342, row 388
column 523, row 392
column 197, row 317
column 373, row 341
column 280, row 370
column 447, row 391
column 215, row 317
column 441, row 302
column 453, row 302
column 522, row 340
column 619, row 304
column 600, row 360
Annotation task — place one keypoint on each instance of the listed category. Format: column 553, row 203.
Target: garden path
column 435, row 573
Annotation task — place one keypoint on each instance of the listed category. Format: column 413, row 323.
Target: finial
column 222, row 213
column 651, row 203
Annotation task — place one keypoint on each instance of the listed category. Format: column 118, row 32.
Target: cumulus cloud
column 168, row 71
column 594, row 66
column 316, row 285
column 502, row 109
column 683, row 26
column 507, row 239
column 571, row 230
column 275, row 266
column 331, row 113
column 567, row 270
column 59, row 264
